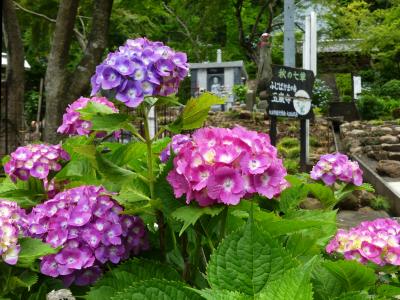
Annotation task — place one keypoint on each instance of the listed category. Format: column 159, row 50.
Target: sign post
column 290, row 93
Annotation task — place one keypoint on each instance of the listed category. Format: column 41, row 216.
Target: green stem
column 159, row 214
column 223, row 223
column 210, row 243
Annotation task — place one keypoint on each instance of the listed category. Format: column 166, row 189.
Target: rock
column 389, row 139
column 348, row 218
column 390, row 168
column 311, row 204
column 380, row 155
column 391, row 147
column 263, row 104
column 396, row 129
column 386, row 130
column 394, row 155
column 245, row 114
column 371, row 140
column 354, row 150
column 357, row 132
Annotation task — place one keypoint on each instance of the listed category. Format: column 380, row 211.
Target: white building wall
column 202, row 79
column 229, row 79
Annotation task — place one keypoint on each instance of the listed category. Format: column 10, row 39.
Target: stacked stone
column 379, row 142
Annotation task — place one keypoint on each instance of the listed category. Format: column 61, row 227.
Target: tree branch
column 271, row 15
column 79, row 36
column 185, row 28
column 97, row 42
column 258, row 18
column 238, row 14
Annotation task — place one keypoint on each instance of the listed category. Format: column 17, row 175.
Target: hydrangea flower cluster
column 337, row 166
column 87, row 223
column 221, row 165
column 140, row 68
column 375, row 241
column 12, row 218
column 73, row 124
column 35, row 160
column 177, row 143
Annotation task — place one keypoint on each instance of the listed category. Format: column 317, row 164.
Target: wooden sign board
column 290, row 92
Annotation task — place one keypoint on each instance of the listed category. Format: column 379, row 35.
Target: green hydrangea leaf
column 247, row 260
column 126, row 274
column 190, row 214
column 157, row 289
column 210, row 294
column 32, row 249
column 291, row 197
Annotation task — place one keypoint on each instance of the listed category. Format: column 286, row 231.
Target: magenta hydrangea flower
column 219, row 165
column 36, row 160
column 74, row 125
column 87, row 224
column 375, row 241
column 12, row 220
column 140, row 68
column 337, row 167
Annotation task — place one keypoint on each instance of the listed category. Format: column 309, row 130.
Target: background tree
column 15, row 75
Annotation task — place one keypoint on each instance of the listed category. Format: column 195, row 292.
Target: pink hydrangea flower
column 375, row 241
column 36, row 160
column 140, row 68
column 177, row 142
column 12, row 220
column 87, row 223
column 219, row 165
column 337, row 167
column 73, row 124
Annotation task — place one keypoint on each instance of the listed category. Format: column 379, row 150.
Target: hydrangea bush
column 210, row 213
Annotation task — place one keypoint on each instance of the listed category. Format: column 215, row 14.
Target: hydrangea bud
column 36, row 160
column 73, row 124
column 140, row 68
column 375, row 241
column 337, row 167
column 220, row 165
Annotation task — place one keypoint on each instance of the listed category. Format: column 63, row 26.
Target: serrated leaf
column 195, row 112
column 109, row 123
column 128, row 152
column 133, row 192
column 247, row 260
column 113, row 172
column 291, row 197
column 94, row 108
column 335, row 278
column 171, row 100
column 388, row 290
column 80, row 168
column 128, row 273
column 323, row 193
column 190, row 214
column 24, row 198
column 358, row 295
column 157, row 289
column 26, row 279
column 294, row 284
column 210, row 294
column 32, row 249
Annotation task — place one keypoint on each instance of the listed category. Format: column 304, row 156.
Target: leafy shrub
column 322, row 95
column 288, row 142
column 314, row 142
column 291, row 165
column 371, row 106
column 391, row 89
column 343, row 83
column 347, row 98
column 31, row 105
column 380, row 203
column 240, row 91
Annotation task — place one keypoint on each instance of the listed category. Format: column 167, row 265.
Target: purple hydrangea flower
column 177, row 142
column 337, row 166
column 375, row 241
column 87, row 224
column 35, row 160
column 12, row 222
column 140, row 68
column 74, row 125
column 219, row 165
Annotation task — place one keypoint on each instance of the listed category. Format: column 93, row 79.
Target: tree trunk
column 15, row 83
column 56, row 72
column 61, row 87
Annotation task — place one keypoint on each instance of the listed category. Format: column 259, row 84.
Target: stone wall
column 378, row 142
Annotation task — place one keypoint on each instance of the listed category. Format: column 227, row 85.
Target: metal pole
column 289, row 43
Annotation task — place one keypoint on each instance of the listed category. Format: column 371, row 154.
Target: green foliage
column 289, row 142
column 291, row 165
column 246, row 261
column 240, row 92
column 391, row 89
column 379, row 203
column 32, row 249
column 31, row 102
column 343, row 83
column 371, row 106
column 127, row 274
